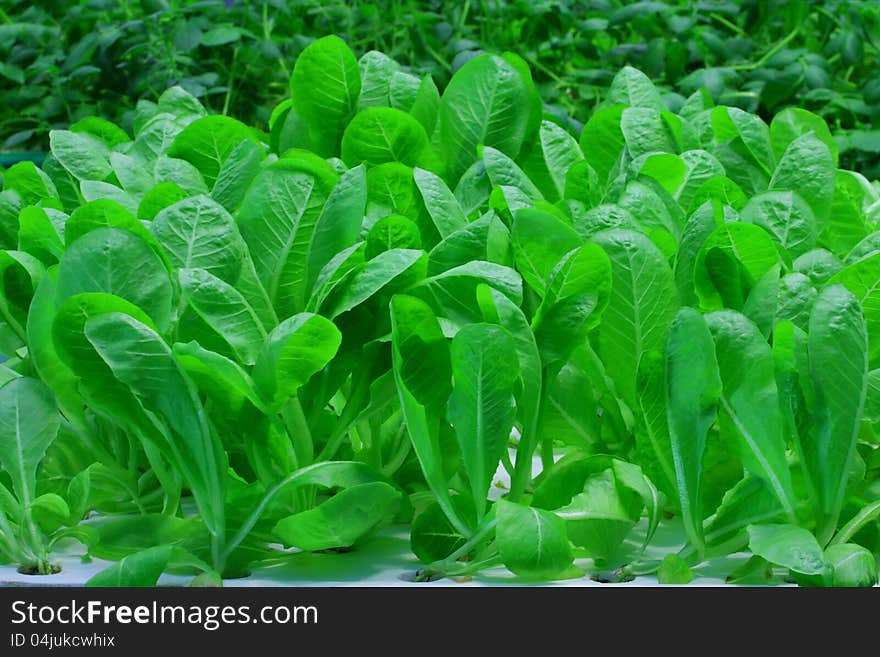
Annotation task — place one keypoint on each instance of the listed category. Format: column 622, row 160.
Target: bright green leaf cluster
column 370, row 312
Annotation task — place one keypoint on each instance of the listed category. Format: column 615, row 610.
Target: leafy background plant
column 235, row 55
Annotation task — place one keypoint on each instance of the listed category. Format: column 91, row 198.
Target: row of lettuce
column 220, row 340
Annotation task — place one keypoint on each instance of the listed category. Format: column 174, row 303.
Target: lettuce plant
column 161, row 342
column 364, row 314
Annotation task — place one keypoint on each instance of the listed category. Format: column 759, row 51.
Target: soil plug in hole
column 34, row 569
column 613, row 577
column 420, row 576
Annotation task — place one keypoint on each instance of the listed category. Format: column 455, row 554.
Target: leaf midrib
column 284, row 252
column 19, row 448
column 774, row 481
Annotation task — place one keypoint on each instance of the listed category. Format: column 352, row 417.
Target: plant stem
column 692, row 556
column 349, row 414
column 769, row 54
column 230, row 84
column 299, row 431
column 730, row 25
column 375, row 446
column 468, row 567
column 258, row 510
column 454, row 568
column 505, row 461
column 13, row 549
column 13, row 323
column 400, row 454
column 528, row 442
column 481, row 534
column 267, row 34
column 858, row 521
column 38, row 547
column 463, row 18
column 218, row 554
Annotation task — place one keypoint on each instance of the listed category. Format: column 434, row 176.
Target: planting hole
column 33, row 569
column 419, row 576
column 612, row 577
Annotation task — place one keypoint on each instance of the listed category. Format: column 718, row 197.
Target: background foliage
column 59, row 63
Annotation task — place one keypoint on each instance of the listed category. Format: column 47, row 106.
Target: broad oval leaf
column 158, row 198
column 787, row 217
column 853, row 565
column 539, row 241
column 42, row 350
column 549, row 162
column 20, row 276
column 602, row 141
column 532, row 542
column 103, row 213
column 199, row 233
column 486, row 103
column 452, row 293
column 819, row 265
column 297, row 348
column 71, row 345
column 600, row 517
column 84, row 156
column 218, row 377
column 441, row 204
column 729, row 262
column 750, row 402
column 277, row 219
column 206, row 143
column 382, row 134
column 789, row 546
column 325, row 87
column 645, row 131
column 606, row 216
column 576, row 298
column 792, row 122
column 377, row 69
column 375, row 275
column 807, row 167
column 749, row 134
column 504, row 172
column 749, row 502
column 498, row 309
column 641, row 306
column 417, row 342
column 117, row 262
column 432, row 536
column 693, row 392
column 632, row 87
column 653, row 447
column 225, row 310
column 482, row 407
column 424, row 366
column 862, row 279
column 30, row 184
column 392, row 232
column 236, row 174
column 142, row 361
column 38, row 236
column 486, row 239
column 139, row 569
column 29, row 422
column 348, row 517
column 838, row 346
column 93, row 190
column 338, row 226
